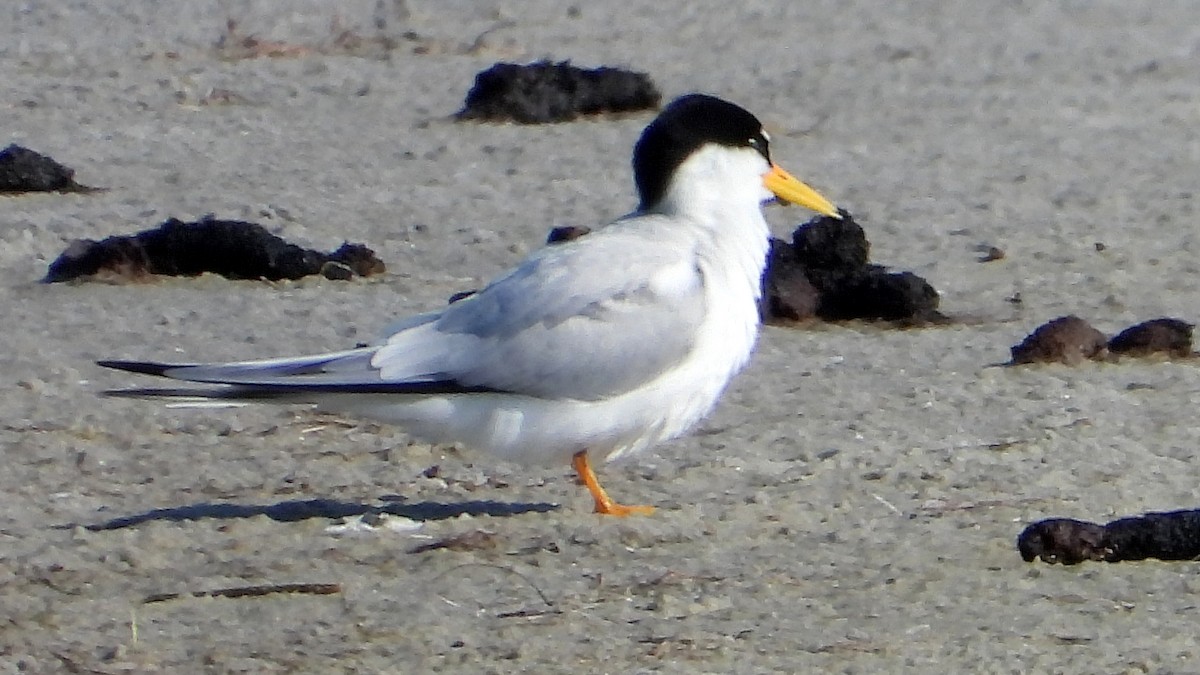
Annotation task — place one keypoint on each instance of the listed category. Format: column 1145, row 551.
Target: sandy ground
column 850, row 507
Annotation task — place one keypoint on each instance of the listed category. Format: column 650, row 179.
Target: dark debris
column 231, row 248
column 1157, row 336
column 1071, row 340
column 249, row 592
column 1170, row 535
column 991, row 253
column 826, row 273
column 24, row 170
column 787, row 294
column 1067, row 339
column 545, row 92
column 476, row 540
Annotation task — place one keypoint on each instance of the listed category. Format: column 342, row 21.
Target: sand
column 852, row 504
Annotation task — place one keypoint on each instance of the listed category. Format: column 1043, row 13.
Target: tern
column 591, row 349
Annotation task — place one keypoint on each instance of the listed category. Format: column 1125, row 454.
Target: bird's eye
column 759, row 143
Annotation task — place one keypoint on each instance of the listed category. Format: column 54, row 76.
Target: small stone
column 1172, row 337
column 567, row 233
column 1067, row 339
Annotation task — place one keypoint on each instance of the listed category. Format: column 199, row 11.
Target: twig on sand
column 470, row 541
column 891, row 507
column 249, row 591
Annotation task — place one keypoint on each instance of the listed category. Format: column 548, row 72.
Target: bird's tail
column 306, row 379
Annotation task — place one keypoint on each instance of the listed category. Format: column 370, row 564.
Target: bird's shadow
column 303, row 509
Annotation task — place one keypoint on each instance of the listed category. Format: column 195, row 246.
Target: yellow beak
column 789, row 189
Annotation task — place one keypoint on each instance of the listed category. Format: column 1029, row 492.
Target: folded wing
column 544, row 330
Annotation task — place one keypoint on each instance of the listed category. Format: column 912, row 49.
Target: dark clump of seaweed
column 231, row 248
column 825, row 272
column 1067, row 339
column 545, row 92
column 1072, row 340
column 24, row 170
column 1169, row 535
column 1166, row 335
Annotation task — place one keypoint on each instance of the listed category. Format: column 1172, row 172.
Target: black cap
column 687, row 124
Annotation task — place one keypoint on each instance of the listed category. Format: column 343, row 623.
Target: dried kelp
column 24, row 170
column 825, row 272
column 1170, row 535
column 545, row 92
column 231, row 248
column 1071, row 340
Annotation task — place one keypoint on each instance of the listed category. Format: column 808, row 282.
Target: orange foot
column 604, row 503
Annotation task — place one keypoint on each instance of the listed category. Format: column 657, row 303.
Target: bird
column 589, row 350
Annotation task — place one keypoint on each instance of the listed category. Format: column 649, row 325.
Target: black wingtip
column 141, row 393
column 139, row 367
column 196, row 394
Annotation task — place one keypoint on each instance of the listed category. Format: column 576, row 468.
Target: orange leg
column 604, row 503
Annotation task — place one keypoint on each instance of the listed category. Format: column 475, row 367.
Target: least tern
column 601, row 346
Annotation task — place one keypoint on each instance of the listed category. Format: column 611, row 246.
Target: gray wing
column 582, row 320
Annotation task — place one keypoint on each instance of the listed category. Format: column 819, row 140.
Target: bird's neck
column 710, row 200
column 721, row 194
column 731, row 238
column 728, row 222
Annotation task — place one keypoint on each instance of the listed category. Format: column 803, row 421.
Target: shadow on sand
column 290, row 511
